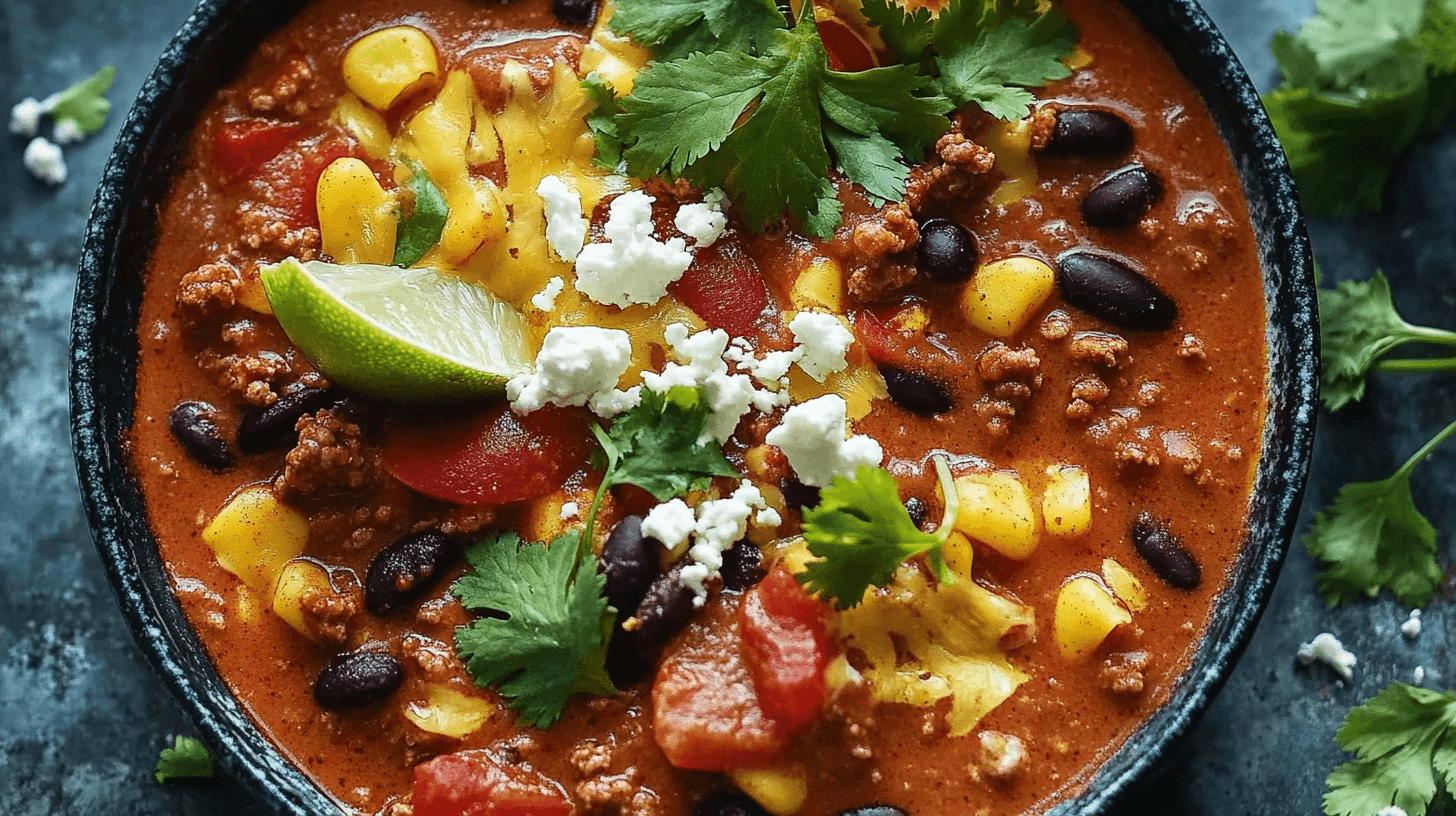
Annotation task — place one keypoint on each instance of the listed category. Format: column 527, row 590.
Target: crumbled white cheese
column 607, row 404
column 569, row 510
column 1391, row 810
column 1002, row 754
column 1412, row 626
column 768, row 370
column 565, row 224
column 44, row 161
column 634, row 267
column 670, row 523
column 1327, row 649
column 25, row 116
column 702, row 222
column 812, row 436
column 768, row 517
column 721, row 522
column 701, row 363
column 1419, row 675
column 823, row 340
column 545, row 300
column 67, row 131
column 575, row 364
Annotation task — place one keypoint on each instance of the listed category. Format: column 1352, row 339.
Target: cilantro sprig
column 424, row 225
column 188, row 758
column 1404, row 746
column 84, row 105
column 1360, row 82
column 1372, row 536
column 860, row 533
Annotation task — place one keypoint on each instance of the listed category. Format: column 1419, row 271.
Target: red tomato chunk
column 787, row 647
column 474, row 783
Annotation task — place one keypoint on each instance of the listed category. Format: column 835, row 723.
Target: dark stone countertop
column 82, row 719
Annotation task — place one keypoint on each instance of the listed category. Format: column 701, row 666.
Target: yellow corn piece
column 1125, row 585
column 383, row 66
column 477, row 218
column 959, row 555
column 1086, row 614
column 616, row 58
column 821, row 285
column 1011, row 142
column 449, row 713
column 541, row 520
column 254, row 535
column 357, row 218
column 780, row 791
column 366, row 125
column 996, row 511
column 1005, row 294
column 483, row 146
column 251, row 294
column 299, row 577
column 1066, row 503
column 439, row 134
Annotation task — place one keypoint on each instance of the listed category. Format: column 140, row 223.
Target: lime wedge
column 410, row 335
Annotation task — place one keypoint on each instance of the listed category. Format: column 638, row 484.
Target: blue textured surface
column 81, row 719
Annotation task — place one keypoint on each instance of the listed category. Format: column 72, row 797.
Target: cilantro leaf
column 1358, row 326
column 876, row 119
column 860, row 533
column 1372, row 537
column 188, row 758
column 551, row 642
column 422, row 228
column 1438, row 36
column 85, row 104
column 990, row 53
column 907, row 34
column 602, row 121
column 674, row 29
column 658, row 445
column 1401, row 738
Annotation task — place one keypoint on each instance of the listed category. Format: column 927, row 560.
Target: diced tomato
column 241, row 147
column 786, row 645
column 488, row 457
column 893, row 335
column 291, row 177
column 724, row 288
column 847, row 49
column 706, row 714
column 474, row 783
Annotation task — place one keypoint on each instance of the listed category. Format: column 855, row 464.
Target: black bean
column 1164, row 552
column 403, row 571
column 742, row 566
column 273, row 427
column 917, row 510
column 575, row 12
column 728, row 803
column 916, row 392
column 356, row 679
column 629, row 561
column 1122, row 199
column 799, row 495
column 1089, row 133
column 874, row 810
column 1109, row 289
column 193, row 426
column 666, row 609
column 946, row 252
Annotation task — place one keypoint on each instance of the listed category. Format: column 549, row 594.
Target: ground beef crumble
column 331, row 457
column 953, row 172
column 1122, row 673
column 256, row 379
column 209, row 290
column 875, row 251
column 1011, row 377
column 1098, row 348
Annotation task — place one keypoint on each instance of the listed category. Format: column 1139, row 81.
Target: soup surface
column 1061, row 324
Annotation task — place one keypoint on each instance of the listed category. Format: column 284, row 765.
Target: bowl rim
column 171, row 648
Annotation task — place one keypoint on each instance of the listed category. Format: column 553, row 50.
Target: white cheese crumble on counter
column 701, row 363
column 812, row 436
column 1391, row 810
column 570, row 510
column 25, row 115
column 1419, row 675
column 67, row 131
column 44, row 161
column 721, row 522
column 670, row 523
column 633, row 267
column 1327, row 649
column 704, row 223
column 1412, row 626
column 565, row 224
column 545, row 300
column 823, row 341
column 575, row 364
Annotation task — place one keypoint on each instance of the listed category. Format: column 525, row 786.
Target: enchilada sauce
column 1166, row 422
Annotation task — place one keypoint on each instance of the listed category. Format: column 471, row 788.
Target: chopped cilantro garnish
column 673, row 29
column 188, row 758
column 907, row 34
column 545, row 636
column 860, row 533
column 422, row 228
column 989, row 54
column 1404, row 747
column 602, row 122
column 84, row 104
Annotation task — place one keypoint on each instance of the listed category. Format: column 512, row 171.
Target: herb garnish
column 602, row 121
column 1359, row 326
column 84, row 104
column 674, row 29
column 422, row 228
column 1404, row 742
column 861, row 533
column 188, row 758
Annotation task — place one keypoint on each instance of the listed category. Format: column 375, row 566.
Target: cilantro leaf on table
column 188, row 758
column 1404, row 748
column 674, row 29
column 602, row 121
column 422, row 228
column 552, row 641
column 990, row 53
column 84, row 104
column 860, row 533
column 1358, row 326
column 657, row 445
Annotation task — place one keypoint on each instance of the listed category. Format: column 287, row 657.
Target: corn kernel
column 449, row 713
column 439, row 135
column 1125, row 585
column 364, row 123
column 1086, row 614
column 381, row 67
column 996, row 511
column 358, row 220
column 959, row 555
column 821, row 284
column 1004, row 295
column 299, row 577
column 254, row 535
column 477, row 217
column 1066, row 503
column 780, row 791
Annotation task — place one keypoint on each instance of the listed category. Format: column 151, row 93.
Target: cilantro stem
column 1411, row 366
column 952, row 500
column 1426, row 334
column 1420, row 455
column 613, row 456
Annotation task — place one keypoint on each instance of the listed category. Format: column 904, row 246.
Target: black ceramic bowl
column 217, row 39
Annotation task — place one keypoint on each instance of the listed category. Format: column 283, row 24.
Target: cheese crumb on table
column 545, row 300
column 670, row 523
column 823, row 341
column 1412, row 626
column 1327, row 649
column 25, row 116
column 575, row 364
column 565, row 224
column 67, row 131
column 812, row 436
column 1419, row 675
column 1391, row 810
column 633, row 266
column 44, row 161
